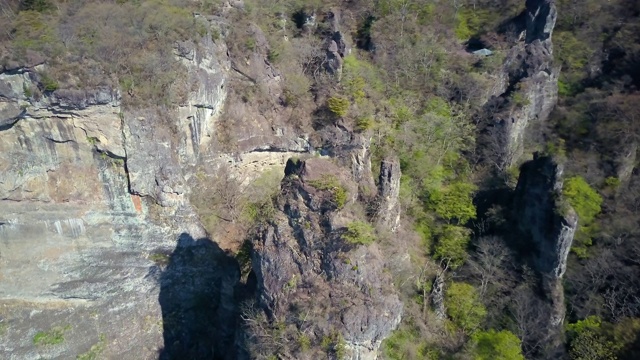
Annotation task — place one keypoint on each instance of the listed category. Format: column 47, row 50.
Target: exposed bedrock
column 547, row 224
column 530, row 89
column 302, row 262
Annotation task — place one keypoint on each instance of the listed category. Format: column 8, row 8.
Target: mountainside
column 302, row 179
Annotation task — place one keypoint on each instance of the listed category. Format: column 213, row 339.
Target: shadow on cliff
column 199, row 312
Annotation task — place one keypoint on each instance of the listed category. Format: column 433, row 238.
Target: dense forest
column 405, row 76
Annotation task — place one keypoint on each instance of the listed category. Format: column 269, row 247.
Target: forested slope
column 359, row 180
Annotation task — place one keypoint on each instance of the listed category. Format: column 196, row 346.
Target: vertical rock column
column 388, row 211
column 531, row 89
column 549, row 225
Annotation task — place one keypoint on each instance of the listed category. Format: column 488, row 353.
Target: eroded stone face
column 549, row 226
column 301, row 257
column 529, row 88
column 74, row 244
column 538, row 213
column 98, row 239
column 92, row 205
column 388, row 212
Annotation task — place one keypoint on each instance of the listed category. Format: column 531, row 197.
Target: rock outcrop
column 301, row 258
column 207, row 67
column 388, row 205
column 530, row 87
column 549, row 224
column 352, row 150
column 93, row 202
column 337, row 44
column 540, row 213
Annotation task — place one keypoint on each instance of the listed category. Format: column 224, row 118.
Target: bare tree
column 491, row 263
column 530, row 314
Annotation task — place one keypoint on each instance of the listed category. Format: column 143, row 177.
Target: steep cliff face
column 530, row 86
column 388, row 211
column 93, row 201
column 208, row 69
column 302, row 262
column 549, row 225
column 352, row 150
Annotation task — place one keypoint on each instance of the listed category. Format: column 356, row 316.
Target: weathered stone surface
column 626, row 161
column 12, row 85
column 541, row 19
column 352, row 151
column 153, row 167
column 549, row 225
column 388, row 211
column 530, row 87
column 81, row 99
column 208, row 66
column 9, row 114
column 437, row 296
column 300, row 257
column 338, row 45
column 97, row 235
column 83, row 245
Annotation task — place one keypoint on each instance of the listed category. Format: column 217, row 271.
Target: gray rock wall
column 98, row 240
column 543, row 217
column 92, row 204
column 531, row 90
column 547, row 224
column 301, row 262
column 388, row 211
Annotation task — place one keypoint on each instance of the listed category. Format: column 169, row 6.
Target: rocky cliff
column 530, row 87
column 542, row 215
column 94, row 199
column 388, row 205
column 548, row 224
column 100, row 247
column 302, row 256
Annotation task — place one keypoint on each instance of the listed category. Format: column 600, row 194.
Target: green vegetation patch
column 338, row 105
column 304, row 342
column 454, row 202
column 593, row 338
column 406, row 343
column 359, row 232
column 452, row 245
column 331, row 183
column 335, row 344
column 583, row 198
column 54, row 336
column 587, row 203
column 588, row 341
column 95, row 350
column 464, row 307
column 497, row 345
column 161, row 259
column 48, row 83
